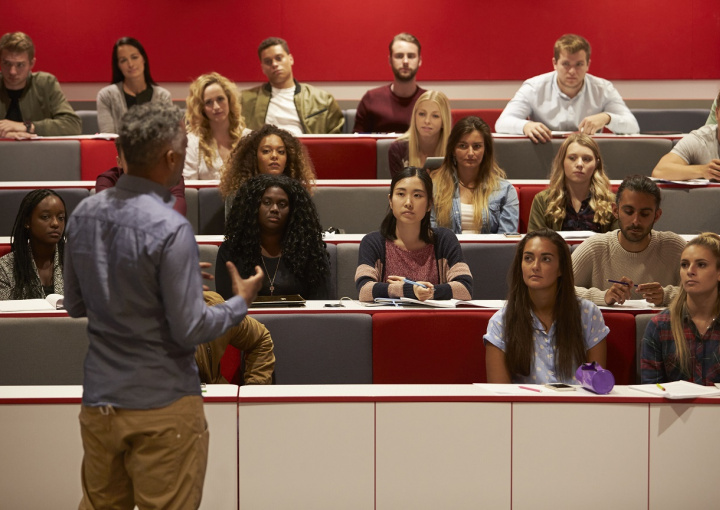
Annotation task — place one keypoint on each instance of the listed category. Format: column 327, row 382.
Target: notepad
column 678, row 390
column 432, row 303
column 51, row 302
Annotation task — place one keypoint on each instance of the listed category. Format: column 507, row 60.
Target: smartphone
column 560, row 386
column 513, row 235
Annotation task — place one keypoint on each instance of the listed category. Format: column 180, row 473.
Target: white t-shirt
column 467, row 211
column 700, row 146
column 282, row 111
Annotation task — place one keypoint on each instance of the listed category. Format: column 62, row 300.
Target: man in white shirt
column 567, row 99
column 696, row 156
column 297, row 107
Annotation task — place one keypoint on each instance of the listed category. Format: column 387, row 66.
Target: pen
column 660, row 386
column 622, row 283
column 407, row 280
column 530, row 389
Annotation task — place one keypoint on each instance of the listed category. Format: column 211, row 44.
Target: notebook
column 289, row 300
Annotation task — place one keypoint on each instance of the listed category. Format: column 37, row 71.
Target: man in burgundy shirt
column 388, row 109
column 109, row 178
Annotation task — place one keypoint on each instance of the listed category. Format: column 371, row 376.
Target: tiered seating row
column 360, row 208
column 317, row 347
column 334, row 157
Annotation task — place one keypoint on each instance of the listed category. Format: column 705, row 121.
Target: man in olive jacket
column 30, row 103
column 296, row 107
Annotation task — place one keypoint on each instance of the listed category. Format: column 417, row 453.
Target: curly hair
column 243, row 161
column 570, row 350
column 24, row 271
column 303, row 249
column 199, row 124
column 487, row 180
column 601, row 195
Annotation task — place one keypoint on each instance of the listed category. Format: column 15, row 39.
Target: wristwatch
column 28, row 125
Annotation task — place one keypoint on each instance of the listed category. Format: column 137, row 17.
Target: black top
column 283, row 280
column 13, row 111
column 143, row 97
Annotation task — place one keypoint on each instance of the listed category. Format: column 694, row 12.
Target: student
column 33, row 268
column 635, row 253
column 696, row 156
column 269, row 150
column 430, row 126
column 407, row 247
column 215, row 125
column 388, row 109
column 472, row 195
column 273, row 224
column 131, row 84
column 297, row 107
column 567, row 99
column 544, row 332
column 579, row 195
column 683, row 342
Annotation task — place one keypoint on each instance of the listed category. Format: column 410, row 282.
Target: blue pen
column 406, row 280
column 622, row 283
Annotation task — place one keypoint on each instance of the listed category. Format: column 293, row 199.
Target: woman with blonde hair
column 214, row 125
column 428, row 134
column 683, row 342
column 579, row 195
column 269, row 150
column 472, row 195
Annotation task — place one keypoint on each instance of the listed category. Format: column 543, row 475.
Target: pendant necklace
column 271, row 280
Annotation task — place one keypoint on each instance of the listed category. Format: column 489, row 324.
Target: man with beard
column 288, row 104
column 644, row 261
column 388, row 109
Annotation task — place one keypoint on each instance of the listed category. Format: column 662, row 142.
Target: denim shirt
column 503, row 209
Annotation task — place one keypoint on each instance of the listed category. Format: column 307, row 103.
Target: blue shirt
column 542, row 369
column 503, row 211
column 131, row 267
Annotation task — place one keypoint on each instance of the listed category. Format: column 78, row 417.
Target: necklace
column 271, row 280
column 466, row 187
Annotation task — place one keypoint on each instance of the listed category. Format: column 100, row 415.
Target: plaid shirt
column 659, row 359
column 582, row 219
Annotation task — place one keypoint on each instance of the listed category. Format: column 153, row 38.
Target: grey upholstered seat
column 321, row 348
column 47, row 160
column 10, row 200
column 355, row 210
column 89, row 120
column 683, row 120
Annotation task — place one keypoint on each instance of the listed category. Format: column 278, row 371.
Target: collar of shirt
column 140, row 185
column 563, row 95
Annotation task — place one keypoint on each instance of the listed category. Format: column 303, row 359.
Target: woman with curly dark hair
column 273, row 224
column 33, row 268
column 269, row 150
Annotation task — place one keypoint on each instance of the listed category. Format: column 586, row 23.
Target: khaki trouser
column 152, row 458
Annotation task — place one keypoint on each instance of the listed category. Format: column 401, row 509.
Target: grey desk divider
column 349, row 116
column 523, row 159
column 42, row 351
column 623, row 157
column 641, row 322
column 683, row 120
column 690, row 210
column 383, row 165
column 321, row 348
column 489, row 264
column 347, row 260
column 211, row 212
column 354, row 210
column 89, row 120
column 46, row 160
column 10, row 200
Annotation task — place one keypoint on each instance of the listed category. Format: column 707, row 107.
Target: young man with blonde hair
column 566, row 99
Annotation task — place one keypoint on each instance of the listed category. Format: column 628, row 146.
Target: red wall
column 347, row 41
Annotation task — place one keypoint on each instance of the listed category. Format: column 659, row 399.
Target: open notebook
column 677, row 390
column 51, row 302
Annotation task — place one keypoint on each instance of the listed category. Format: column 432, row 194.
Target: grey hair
column 146, row 130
